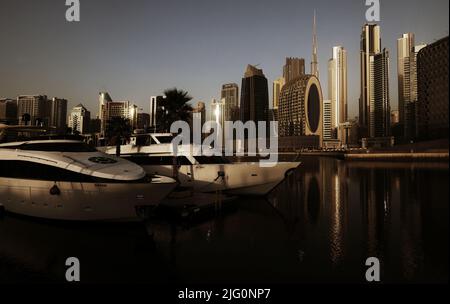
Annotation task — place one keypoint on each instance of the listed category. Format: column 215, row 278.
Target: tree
column 26, row 118
column 175, row 107
column 117, row 129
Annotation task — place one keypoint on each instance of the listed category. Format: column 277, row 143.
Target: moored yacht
column 154, row 152
column 61, row 177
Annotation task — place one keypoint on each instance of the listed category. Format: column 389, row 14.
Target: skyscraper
column 58, row 112
column 8, row 111
column 327, row 120
column 230, row 95
column 79, row 119
column 254, row 96
column 314, row 61
column 379, row 104
column 103, row 98
column 370, row 45
column 432, row 75
column 407, row 83
column 337, row 89
column 293, row 68
column 277, row 86
column 34, row 105
column 157, row 112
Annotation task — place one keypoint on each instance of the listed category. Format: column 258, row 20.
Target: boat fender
column 55, row 190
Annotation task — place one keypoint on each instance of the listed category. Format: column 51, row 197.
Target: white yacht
column 61, row 177
column 154, row 152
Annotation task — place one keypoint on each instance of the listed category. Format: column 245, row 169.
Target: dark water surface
column 320, row 225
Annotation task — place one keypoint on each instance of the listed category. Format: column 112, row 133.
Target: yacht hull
column 74, row 201
column 238, row 178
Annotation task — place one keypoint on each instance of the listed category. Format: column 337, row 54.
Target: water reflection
column 354, row 210
column 319, row 225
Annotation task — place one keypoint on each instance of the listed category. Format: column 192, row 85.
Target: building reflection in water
column 356, row 210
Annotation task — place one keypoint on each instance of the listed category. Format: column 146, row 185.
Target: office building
column 379, row 104
column 230, row 96
column 143, row 121
column 300, row 108
column 58, row 113
column 337, row 90
column 8, row 111
column 36, row 106
column 79, row 120
column 327, row 120
column 370, row 45
column 407, row 83
column 432, row 84
column 294, row 67
column 254, row 96
column 157, row 112
column 277, row 86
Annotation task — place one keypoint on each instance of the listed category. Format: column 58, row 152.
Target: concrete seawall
column 398, row 156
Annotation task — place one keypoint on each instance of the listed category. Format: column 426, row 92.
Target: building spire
column 314, row 63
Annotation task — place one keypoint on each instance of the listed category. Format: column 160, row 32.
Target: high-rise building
column 314, row 61
column 337, row 90
column 36, row 106
column 379, row 104
column 370, row 45
column 432, row 82
column 407, row 83
column 294, row 67
column 79, row 119
column 58, row 113
column 395, row 117
column 8, row 111
column 300, row 108
column 254, row 96
column 103, row 99
column 122, row 109
column 201, row 109
column 327, row 120
column 277, row 86
column 143, row 121
column 217, row 111
column 157, row 112
column 230, row 95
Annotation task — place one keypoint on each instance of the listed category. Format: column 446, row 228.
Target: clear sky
column 137, row 48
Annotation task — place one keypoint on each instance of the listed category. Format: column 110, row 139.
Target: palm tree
column 117, row 129
column 175, row 107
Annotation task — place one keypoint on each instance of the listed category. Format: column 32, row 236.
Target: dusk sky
column 136, row 49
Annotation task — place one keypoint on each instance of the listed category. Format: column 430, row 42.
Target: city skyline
column 134, row 59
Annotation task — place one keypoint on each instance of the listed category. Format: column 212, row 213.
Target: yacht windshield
column 166, row 139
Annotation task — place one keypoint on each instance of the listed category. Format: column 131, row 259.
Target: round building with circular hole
column 300, row 107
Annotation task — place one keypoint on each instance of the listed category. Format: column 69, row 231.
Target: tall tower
column 254, row 96
column 370, row 45
column 314, row 63
column 379, row 104
column 230, row 95
column 407, row 83
column 337, row 89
